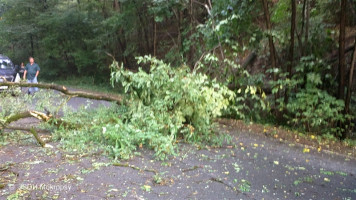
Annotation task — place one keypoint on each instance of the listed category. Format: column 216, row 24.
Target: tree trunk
column 342, row 65
column 31, row 37
column 301, row 33
column 270, row 38
column 270, row 42
column 307, row 17
column 349, row 87
column 116, row 5
column 291, row 48
column 155, row 39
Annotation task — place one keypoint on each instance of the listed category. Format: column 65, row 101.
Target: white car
column 7, row 71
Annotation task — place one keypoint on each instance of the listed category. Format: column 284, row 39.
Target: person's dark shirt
column 21, row 71
column 31, row 70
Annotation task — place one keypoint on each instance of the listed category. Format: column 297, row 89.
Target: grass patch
column 88, row 83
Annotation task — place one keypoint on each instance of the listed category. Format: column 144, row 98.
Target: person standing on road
column 31, row 72
column 21, row 70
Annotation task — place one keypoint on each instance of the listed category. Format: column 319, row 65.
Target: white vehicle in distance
column 7, row 71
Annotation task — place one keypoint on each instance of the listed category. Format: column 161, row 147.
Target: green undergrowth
column 87, row 83
column 163, row 106
column 321, row 139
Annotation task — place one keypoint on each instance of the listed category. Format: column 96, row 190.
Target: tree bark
column 64, row 90
column 349, row 87
column 307, row 17
column 270, row 42
column 270, row 38
column 342, row 65
column 155, row 39
column 48, row 118
column 301, row 33
column 31, row 36
column 37, row 137
column 21, row 128
column 16, row 117
column 291, row 48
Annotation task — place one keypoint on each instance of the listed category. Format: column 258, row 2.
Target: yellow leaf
column 255, row 145
column 306, row 150
column 147, row 187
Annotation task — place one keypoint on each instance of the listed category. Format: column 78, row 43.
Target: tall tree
column 291, row 47
column 307, row 17
column 349, row 86
column 270, row 40
column 342, row 64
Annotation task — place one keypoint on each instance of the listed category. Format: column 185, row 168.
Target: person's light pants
column 32, row 90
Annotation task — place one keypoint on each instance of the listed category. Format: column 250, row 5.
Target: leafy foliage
column 315, row 109
column 163, row 106
column 170, row 102
column 249, row 99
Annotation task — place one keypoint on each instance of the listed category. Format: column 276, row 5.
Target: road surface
column 254, row 167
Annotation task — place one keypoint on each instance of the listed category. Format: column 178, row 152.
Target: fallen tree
column 64, row 90
column 48, row 117
column 39, row 115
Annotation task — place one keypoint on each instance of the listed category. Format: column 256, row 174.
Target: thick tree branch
column 64, row 90
column 21, row 128
column 17, row 117
column 37, row 137
column 41, row 116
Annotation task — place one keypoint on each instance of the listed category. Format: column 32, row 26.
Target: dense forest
column 288, row 62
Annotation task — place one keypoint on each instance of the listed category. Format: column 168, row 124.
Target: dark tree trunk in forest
column 155, row 39
column 349, row 86
column 31, row 37
column 300, row 34
column 116, row 5
column 270, row 42
column 342, row 65
column 291, row 48
column 270, row 38
column 32, row 46
column 307, row 17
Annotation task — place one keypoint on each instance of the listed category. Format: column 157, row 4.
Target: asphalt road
column 255, row 167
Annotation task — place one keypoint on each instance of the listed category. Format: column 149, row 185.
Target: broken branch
column 64, row 90
column 134, row 167
column 39, row 140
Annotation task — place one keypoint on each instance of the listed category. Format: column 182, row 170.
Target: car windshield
column 6, row 64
